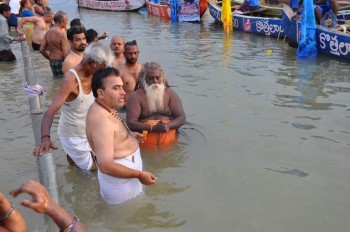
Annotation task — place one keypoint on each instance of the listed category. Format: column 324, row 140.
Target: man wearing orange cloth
column 154, row 107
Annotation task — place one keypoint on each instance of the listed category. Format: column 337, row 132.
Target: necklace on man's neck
column 75, row 53
column 114, row 113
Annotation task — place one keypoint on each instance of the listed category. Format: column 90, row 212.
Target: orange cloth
column 156, row 138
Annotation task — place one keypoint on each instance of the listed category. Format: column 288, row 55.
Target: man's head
column 131, row 52
column 39, row 2
column 153, row 81
column 117, row 45
column 77, row 38
column 48, row 16
column 76, row 23
column 107, row 86
column 96, row 56
column 5, row 10
column 91, row 36
column 60, row 19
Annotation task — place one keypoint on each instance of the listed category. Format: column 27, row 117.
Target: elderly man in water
column 155, row 108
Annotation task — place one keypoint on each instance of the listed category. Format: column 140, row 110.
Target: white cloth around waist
column 115, row 190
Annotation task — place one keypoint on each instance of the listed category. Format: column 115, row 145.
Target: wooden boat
column 163, row 10
column 112, row 5
column 265, row 21
column 334, row 42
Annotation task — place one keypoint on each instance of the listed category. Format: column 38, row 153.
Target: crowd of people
column 98, row 82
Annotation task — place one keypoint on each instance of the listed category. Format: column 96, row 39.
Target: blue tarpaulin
column 307, row 42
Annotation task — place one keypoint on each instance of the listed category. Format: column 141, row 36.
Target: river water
column 267, row 147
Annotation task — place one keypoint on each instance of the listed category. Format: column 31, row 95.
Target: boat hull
column 330, row 42
column 333, row 43
column 114, row 5
column 251, row 24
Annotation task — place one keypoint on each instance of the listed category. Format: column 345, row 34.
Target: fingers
column 26, row 203
column 15, row 192
column 44, row 148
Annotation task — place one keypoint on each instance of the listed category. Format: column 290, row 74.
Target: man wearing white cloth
column 116, row 148
column 74, row 98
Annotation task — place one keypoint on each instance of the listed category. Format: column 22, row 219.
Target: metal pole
column 46, row 163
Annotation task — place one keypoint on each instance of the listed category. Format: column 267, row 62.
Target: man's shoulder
column 55, row 31
column 169, row 91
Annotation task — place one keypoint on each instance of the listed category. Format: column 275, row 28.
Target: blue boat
column 265, row 21
column 333, row 42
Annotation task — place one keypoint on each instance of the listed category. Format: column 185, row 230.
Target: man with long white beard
column 154, row 108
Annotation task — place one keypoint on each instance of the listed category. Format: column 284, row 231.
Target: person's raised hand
column 41, row 199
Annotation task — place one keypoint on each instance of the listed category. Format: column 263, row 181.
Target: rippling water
column 267, row 147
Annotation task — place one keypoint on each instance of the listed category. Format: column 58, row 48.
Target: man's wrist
column 139, row 174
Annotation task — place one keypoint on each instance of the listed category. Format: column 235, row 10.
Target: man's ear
column 100, row 93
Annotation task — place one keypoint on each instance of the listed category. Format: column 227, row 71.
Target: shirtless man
column 130, row 70
column 54, row 46
column 154, row 107
column 117, row 47
column 74, row 98
column 116, row 148
column 41, row 26
column 77, row 41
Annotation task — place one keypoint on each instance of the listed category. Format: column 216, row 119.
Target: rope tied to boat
column 32, row 91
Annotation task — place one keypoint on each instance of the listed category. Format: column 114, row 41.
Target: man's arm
column 103, row 36
column 33, row 19
column 242, row 5
column 43, row 48
column 133, row 112
column 103, row 137
column 39, row 10
column 334, row 6
column 65, row 45
column 66, row 64
column 177, row 111
column 67, row 87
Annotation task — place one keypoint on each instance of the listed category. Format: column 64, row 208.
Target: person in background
column 323, row 6
column 77, row 40
column 40, row 7
column 6, row 53
column 119, row 161
column 73, row 99
column 55, row 46
column 117, row 46
column 249, row 5
column 92, row 36
column 155, row 107
column 41, row 202
column 15, row 5
column 41, row 26
column 27, row 9
column 130, row 69
column 76, row 22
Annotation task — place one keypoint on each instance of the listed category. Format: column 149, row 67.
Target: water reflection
column 310, row 80
column 226, row 49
